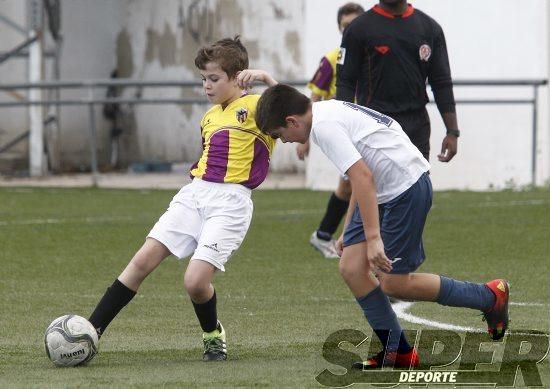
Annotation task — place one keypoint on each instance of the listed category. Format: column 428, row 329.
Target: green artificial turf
column 279, row 300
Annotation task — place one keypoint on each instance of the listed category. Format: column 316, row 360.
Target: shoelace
column 214, row 345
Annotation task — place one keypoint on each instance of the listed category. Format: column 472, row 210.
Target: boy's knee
column 346, row 271
column 195, row 285
column 141, row 263
column 149, row 256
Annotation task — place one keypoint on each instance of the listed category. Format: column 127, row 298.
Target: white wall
column 505, row 39
column 89, row 32
column 164, row 43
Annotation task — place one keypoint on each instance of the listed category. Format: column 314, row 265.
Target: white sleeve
column 336, row 144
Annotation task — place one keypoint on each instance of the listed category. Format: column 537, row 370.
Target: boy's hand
column 246, row 78
column 377, row 256
column 339, row 245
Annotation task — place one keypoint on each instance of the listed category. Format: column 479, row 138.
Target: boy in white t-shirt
column 391, row 198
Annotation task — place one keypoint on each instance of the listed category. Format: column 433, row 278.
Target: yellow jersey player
column 208, row 218
column 234, row 150
column 323, row 83
column 323, row 87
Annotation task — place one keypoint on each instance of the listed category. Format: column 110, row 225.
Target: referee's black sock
column 207, row 314
column 115, row 298
column 336, row 209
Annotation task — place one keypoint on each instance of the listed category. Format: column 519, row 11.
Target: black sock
column 115, row 298
column 207, row 314
column 336, row 209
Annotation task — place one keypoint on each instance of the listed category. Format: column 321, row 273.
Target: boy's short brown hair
column 229, row 53
column 349, row 8
column 276, row 103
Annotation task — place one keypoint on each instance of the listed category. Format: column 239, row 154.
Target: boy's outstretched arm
column 364, row 191
column 246, row 78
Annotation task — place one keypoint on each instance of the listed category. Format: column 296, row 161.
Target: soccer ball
column 71, row 340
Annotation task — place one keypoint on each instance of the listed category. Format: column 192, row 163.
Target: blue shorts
column 401, row 224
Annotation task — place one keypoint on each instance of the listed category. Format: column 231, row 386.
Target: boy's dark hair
column 229, row 53
column 276, row 103
column 349, row 8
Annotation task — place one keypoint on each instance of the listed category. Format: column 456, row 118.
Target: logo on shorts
column 425, row 52
column 242, row 114
column 213, row 246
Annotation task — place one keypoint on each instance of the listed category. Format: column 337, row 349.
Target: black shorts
column 416, row 125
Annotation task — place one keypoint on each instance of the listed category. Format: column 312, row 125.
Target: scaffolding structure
column 43, row 145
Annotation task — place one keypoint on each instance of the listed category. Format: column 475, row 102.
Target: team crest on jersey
column 425, row 52
column 242, row 114
column 341, row 56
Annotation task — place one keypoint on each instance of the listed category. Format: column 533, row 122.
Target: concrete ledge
column 139, row 181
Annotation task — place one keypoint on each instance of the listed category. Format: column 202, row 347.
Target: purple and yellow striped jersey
column 323, row 82
column 234, row 149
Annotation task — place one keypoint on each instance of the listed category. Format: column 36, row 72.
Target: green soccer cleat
column 390, row 359
column 215, row 348
column 497, row 316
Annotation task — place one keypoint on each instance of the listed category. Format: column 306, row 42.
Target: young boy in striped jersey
column 209, row 217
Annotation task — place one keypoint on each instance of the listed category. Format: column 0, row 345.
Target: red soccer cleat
column 497, row 317
column 390, row 359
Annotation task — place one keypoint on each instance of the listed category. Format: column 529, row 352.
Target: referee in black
column 387, row 55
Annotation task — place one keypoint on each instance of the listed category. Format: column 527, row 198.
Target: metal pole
column 93, row 132
column 534, row 145
column 36, row 112
column 54, row 129
column 93, row 155
column 16, row 50
column 128, row 82
column 13, row 25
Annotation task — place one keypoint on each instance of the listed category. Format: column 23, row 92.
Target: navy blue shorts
column 401, row 224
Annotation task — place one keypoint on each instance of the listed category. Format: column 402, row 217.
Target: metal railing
column 91, row 85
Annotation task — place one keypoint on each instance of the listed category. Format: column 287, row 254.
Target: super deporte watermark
column 446, row 357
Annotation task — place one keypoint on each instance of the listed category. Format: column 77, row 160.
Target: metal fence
column 90, row 100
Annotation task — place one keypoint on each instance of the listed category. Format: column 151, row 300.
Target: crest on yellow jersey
column 242, row 114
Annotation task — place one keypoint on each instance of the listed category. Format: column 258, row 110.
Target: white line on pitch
column 90, row 219
column 401, row 308
column 511, row 203
column 290, row 212
column 529, row 304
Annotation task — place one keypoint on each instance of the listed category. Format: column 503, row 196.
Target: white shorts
column 207, row 218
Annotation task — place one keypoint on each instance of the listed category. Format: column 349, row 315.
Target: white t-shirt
column 348, row 132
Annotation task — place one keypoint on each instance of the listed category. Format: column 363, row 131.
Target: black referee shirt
column 389, row 59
